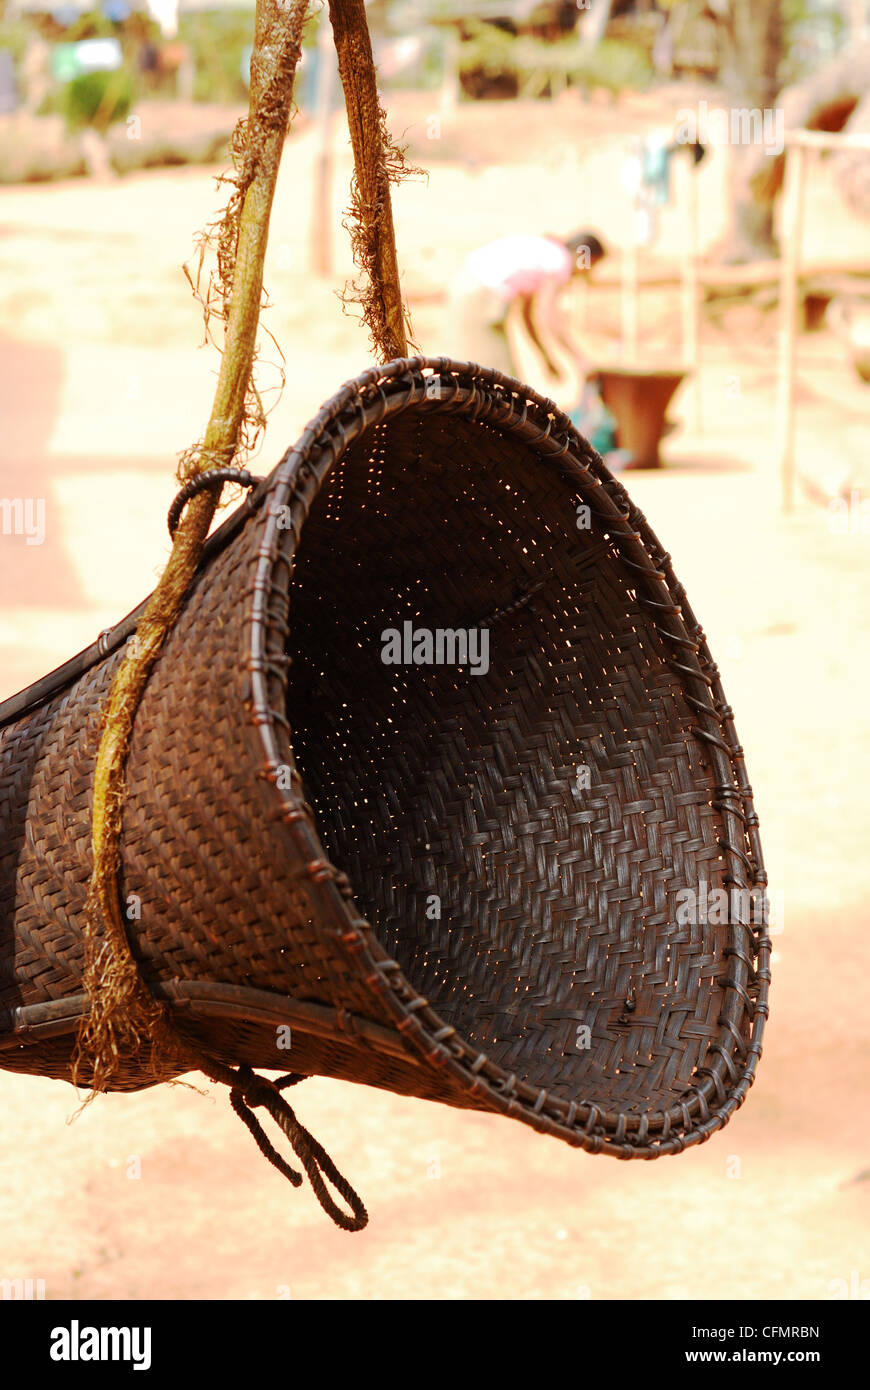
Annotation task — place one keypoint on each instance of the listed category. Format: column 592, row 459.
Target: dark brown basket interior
column 558, row 906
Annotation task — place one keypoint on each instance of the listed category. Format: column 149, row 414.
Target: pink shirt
column 515, row 265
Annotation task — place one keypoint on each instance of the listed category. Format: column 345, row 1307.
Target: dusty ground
column 101, row 386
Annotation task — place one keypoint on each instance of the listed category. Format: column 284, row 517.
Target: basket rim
column 505, row 403
column 208, row 999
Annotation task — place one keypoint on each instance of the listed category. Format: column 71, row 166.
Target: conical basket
column 433, row 788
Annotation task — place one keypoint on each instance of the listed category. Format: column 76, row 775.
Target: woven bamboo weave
column 399, row 869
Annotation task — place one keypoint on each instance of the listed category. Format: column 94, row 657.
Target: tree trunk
column 750, row 68
column 825, row 100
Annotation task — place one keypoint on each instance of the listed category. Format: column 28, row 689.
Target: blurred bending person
column 520, row 275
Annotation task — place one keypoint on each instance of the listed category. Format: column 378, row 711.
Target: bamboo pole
column 630, row 259
column 691, row 302
column 829, row 139
column 792, row 235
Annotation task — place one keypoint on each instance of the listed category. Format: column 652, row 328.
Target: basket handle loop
column 248, row 1090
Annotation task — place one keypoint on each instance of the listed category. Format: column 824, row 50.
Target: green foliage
column 97, row 99
column 490, row 52
column 614, row 64
column 495, row 56
column 812, row 36
column 14, row 34
column 92, row 25
column 217, row 39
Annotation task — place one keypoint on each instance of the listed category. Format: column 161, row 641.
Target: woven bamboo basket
column 451, row 881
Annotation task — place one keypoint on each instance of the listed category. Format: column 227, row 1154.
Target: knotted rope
column 249, row 1090
column 123, row 1016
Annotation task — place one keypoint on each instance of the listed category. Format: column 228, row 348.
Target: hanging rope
column 124, row 1017
column 377, row 163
